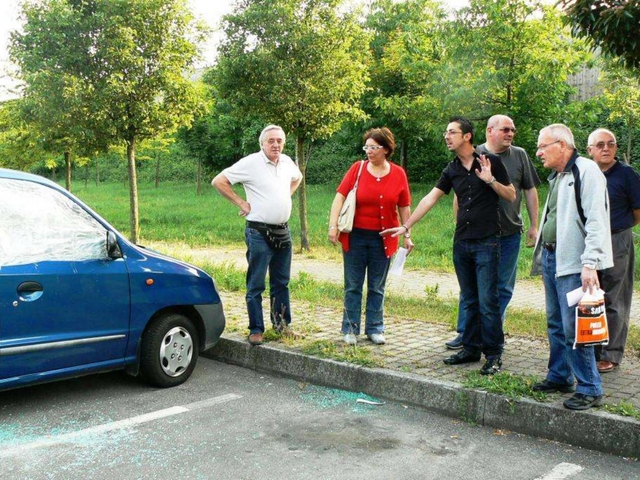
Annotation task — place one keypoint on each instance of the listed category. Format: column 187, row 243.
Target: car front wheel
column 169, row 351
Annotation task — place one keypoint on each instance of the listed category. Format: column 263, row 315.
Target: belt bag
column 277, row 236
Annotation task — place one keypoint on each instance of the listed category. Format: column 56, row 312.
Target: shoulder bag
column 348, row 210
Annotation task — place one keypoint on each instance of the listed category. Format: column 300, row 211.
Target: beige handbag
column 348, row 210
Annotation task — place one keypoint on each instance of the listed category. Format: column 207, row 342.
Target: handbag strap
column 355, row 185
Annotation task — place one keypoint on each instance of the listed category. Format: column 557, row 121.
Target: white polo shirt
column 266, row 185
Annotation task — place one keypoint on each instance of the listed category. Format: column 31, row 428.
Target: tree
column 405, row 87
column 19, row 147
column 622, row 95
column 298, row 63
column 609, row 25
column 124, row 64
column 512, row 57
column 52, row 104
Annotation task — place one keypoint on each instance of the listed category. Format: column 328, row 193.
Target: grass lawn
column 174, row 213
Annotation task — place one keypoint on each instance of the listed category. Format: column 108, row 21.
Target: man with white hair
column 623, row 185
column 524, row 178
column 269, row 178
column 574, row 242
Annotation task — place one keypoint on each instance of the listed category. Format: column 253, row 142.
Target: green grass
column 508, row 384
column 342, row 353
column 173, row 213
column 625, row 409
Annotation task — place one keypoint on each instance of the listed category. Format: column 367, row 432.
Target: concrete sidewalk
column 411, row 368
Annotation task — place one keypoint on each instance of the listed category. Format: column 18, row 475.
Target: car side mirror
column 113, row 249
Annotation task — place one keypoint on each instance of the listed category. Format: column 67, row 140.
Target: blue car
column 76, row 297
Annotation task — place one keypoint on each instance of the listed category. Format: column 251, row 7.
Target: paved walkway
column 412, row 345
column 527, row 294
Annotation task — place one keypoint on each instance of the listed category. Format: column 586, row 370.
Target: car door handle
column 29, row 291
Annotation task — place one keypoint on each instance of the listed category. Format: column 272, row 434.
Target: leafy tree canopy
column 612, row 25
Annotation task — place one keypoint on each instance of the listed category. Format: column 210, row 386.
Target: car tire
column 169, row 351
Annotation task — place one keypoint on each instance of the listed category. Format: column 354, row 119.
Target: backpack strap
column 577, row 184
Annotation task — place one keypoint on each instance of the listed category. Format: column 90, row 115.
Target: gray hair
column 268, row 128
column 593, row 134
column 559, row 131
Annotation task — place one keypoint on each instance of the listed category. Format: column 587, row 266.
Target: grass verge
column 626, row 409
column 342, row 353
column 510, row 385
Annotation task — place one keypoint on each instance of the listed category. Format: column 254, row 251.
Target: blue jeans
column 261, row 258
column 564, row 360
column 366, row 255
column 476, row 264
column 507, row 269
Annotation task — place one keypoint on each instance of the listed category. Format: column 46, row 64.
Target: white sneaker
column 350, row 339
column 377, row 338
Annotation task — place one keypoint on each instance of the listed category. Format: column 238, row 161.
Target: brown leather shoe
column 605, row 366
column 255, row 339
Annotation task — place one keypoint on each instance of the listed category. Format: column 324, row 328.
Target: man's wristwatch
column 589, row 266
column 493, row 179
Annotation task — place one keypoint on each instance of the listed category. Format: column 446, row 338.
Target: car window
column 38, row 223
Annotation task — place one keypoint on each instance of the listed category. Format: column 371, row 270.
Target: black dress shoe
column 455, row 344
column 580, row 401
column 462, row 357
column 548, row 386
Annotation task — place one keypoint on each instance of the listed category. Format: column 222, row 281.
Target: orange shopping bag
column 591, row 321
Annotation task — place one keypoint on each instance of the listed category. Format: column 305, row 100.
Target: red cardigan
column 377, row 202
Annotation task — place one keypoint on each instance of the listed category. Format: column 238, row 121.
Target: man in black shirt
column 479, row 181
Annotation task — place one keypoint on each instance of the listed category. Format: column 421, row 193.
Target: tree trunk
column 97, row 172
column 86, row 174
column 134, row 234
column 67, row 163
column 302, row 196
column 158, row 171
column 199, row 179
column 629, row 141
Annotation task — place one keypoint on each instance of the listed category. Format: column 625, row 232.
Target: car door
column 64, row 304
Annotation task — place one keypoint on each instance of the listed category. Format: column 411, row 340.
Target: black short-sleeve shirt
column 478, row 204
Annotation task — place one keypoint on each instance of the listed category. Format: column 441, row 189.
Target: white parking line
column 561, row 471
column 118, row 425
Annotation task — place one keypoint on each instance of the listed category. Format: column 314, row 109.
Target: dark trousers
column 262, row 258
column 476, row 264
column 617, row 283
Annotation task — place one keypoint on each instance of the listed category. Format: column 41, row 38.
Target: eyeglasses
column 451, row 132
column 601, row 145
column 507, row 130
column 542, row 147
column 372, row 147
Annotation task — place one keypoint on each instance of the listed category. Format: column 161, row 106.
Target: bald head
column 500, row 132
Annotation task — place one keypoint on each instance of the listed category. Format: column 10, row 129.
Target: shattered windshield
column 38, row 223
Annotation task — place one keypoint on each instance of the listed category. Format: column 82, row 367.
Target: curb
column 594, row 429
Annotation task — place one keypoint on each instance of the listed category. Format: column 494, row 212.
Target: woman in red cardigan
column 382, row 196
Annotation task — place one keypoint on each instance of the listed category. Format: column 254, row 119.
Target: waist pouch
column 277, row 236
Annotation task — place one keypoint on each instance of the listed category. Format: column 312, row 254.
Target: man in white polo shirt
column 269, row 179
